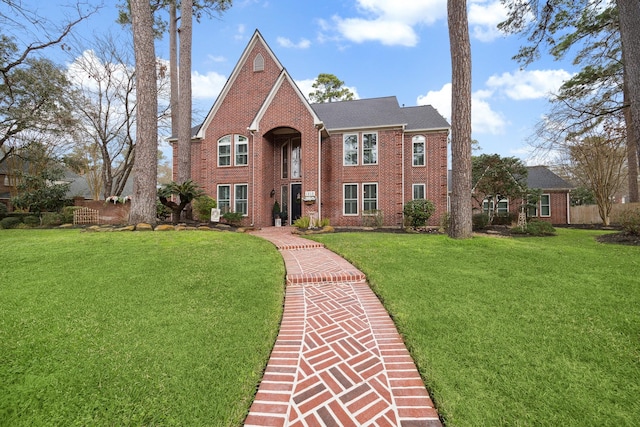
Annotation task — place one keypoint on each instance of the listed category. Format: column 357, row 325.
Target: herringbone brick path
column 338, row 359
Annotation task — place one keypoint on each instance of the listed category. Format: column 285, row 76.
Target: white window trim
column 424, row 151
column 363, row 198
column 344, row 151
column 376, row 149
column 413, row 190
column 223, row 144
column 236, row 200
column 236, row 143
column 258, row 63
column 541, row 215
column 490, row 204
column 344, row 198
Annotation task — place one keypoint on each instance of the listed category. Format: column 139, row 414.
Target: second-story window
column 242, row 150
column 224, row 151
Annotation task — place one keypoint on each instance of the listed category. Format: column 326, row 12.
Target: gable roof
column 256, row 38
column 376, row 113
column 542, row 177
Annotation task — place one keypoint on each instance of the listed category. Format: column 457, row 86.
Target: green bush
column 31, row 221
column 324, row 222
column 162, row 212
column 67, row 214
column 629, row 220
column 506, row 218
column 202, row 206
column 302, row 222
column 51, row 219
column 3, row 209
column 417, row 212
column 535, row 228
column 372, row 218
column 480, row 221
column 10, row 222
column 233, row 218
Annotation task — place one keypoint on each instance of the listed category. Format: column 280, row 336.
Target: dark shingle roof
column 377, row 112
column 542, row 177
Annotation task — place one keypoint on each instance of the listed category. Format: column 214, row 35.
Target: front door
column 296, row 201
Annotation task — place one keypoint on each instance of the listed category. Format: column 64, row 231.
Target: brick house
column 263, row 142
column 554, row 204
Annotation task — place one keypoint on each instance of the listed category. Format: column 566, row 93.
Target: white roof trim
column 284, row 75
column 257, row 37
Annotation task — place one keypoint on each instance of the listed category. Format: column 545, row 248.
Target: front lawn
column 155, row 328
column 513, row 331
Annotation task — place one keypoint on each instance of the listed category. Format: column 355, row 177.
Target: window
column 224, row 198
column 545, row 205
column 224, row 151
column 503, row 206
column 369, row 197
column 351, row 199
column 285, row 161
column 418, row 191
column 350, row 149
column 284, row 200
column 242, row 150
column 296, row 159
column 258, row 63
column 370, row 149
column 418, row 150
column 241, row 198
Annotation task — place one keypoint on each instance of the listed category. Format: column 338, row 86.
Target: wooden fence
column 589, row 214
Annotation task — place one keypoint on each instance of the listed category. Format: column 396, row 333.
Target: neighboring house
column 7, row 184
column 263, row 142
column 554, row 202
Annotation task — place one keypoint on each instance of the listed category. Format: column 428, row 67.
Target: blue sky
column 379, row 48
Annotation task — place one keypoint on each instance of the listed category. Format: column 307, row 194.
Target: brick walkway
column 338, row 359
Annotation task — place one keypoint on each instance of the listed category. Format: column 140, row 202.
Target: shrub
column 506, row 218
column 445, row 221
column 629, row 220
column 372, row 218
column 324, row 222
column 480, row 221
column 67, row 214
column 233, row 218
column 51, row 218
column 31, row 221
column 9, row 222
column 203, row 205
column 3, row 209
column 302, row 222
column 535, row 228
column 162, row 212
column 417, row 212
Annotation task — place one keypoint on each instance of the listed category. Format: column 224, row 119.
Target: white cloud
column 483, row 118
column 285, row 42
column 387, row 32
column 207, row 85
column 484, row 18
column 533, row 84
column 218, row 58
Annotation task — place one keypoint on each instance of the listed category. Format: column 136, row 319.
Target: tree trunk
column 143, row 205
column 460, row 226
column 173, row 66
column 632, row 151
column 184, row 93
column 629, row 11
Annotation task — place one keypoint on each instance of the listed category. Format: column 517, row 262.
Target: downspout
column 568, row 208
column 403, row 178
column 319, row 197
column 253, row 177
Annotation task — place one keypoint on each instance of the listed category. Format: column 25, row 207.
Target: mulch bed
column 620, row 239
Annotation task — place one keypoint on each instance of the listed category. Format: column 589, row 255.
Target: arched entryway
column 288, row 169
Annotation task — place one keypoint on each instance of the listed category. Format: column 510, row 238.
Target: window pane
column 370, row 197
column 545, row 205
column 296, row 161
column 224, row 151
column 418, row 191
column 351, row 199
column 241, row 199
column 285, row 161
column 224, row 193
column 418, row 150
column 351, row 149
column 370, row 148
column 242, row 150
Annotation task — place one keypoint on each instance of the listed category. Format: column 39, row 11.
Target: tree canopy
column 329, row 88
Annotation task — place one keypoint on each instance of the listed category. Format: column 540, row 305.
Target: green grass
column 513, row 332
column 156, row 328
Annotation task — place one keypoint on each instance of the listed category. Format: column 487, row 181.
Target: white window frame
column 220, row 200
column 372, row 150
column 424, row 191
column 416, row 140
column 547, row 205
column 239, row 141
column 351, row 200
column 236, row 199
column 225, row 141
column 488, row 206
column 366, row 200
column 345, row 137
